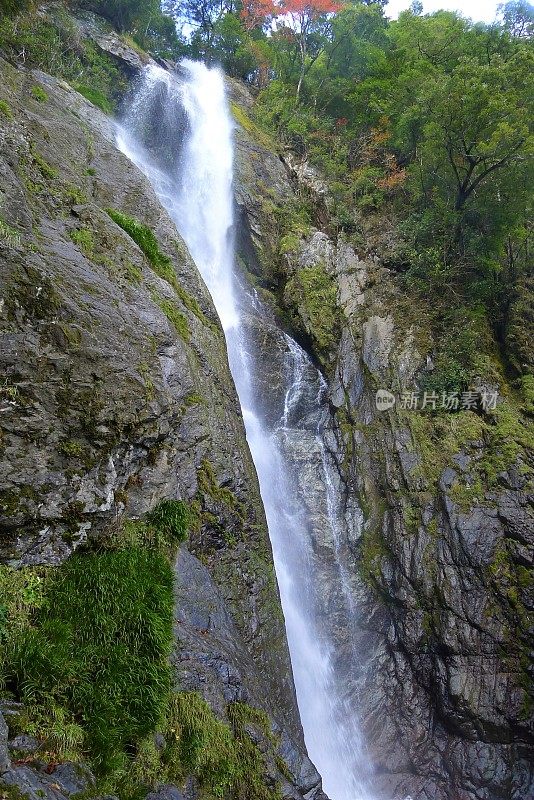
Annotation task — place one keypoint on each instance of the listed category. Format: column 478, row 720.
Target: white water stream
column 195, row 186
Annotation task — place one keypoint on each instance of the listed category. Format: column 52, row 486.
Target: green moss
column 208, row 485
column 174, row 315
column 259, row 135
column 527, row 390
column 74, row 196
column 38, row 93
column 5, row 109
column 512, row 584
column 33, row 291
column 411, row 516
column 71, row 449
column 9, row 235
column 72, row 335
column 506, row 435
column 221, row 755
column 162, row 529
column 98, row 647
column 160, row 263
column 510, row 437
column 133, row 273
column 48, row 172
column 84, row 239
column 289, row 243
column 372, row 554
column 144, row 238
column 311, row 296
column 193, row 399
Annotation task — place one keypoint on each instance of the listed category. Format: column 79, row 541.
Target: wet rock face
column 436, row 657
column 213, row 659
column 115, row 393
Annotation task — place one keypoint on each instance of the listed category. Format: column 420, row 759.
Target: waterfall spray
column 196, row 189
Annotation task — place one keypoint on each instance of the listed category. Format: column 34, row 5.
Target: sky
column 478, row 10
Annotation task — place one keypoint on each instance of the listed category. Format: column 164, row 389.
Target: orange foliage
column 392, row 181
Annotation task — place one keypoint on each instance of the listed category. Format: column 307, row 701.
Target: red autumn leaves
column 299, row 12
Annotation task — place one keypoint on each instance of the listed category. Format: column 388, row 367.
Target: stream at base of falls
column 179, row 132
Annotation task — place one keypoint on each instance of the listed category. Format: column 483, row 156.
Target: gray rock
column 5, row 761
column 24, row 744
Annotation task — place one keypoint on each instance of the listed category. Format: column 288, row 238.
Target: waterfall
column 188, row 157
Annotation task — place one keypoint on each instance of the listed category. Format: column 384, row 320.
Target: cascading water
column 192, row 174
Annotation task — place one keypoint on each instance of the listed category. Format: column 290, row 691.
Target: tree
column 518, row 18
column 478, row 119
column 306, row 22
column 200, row 16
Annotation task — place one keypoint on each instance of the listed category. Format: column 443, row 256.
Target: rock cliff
column 435, row 657
column 116, row 394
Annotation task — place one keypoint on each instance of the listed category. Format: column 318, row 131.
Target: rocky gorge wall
column 116, row 395
column 436, row 654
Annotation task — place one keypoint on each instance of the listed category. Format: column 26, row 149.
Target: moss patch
column 242, row 118
column 311, row 296
column 5, row 110
column 160, row 263
column 494, row 443
column 177, row 319
column 39, row 94
column 9, row 235
column 221, row 755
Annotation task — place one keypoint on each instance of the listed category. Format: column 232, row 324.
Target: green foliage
column 144, row 238
column 427, row 120
column 52, row 43
column 222, row 756
column 462, row 335
column 97, row 649
column 9, row 8
column 9, row 235
column 21, row 592
column 96, row 97
column 143, row 19
column 83, row 237
column 172, row 519
column 162, row 266
column 48, row 172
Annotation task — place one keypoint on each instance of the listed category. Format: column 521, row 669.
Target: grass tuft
column 98, row 649
column 39, row 94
